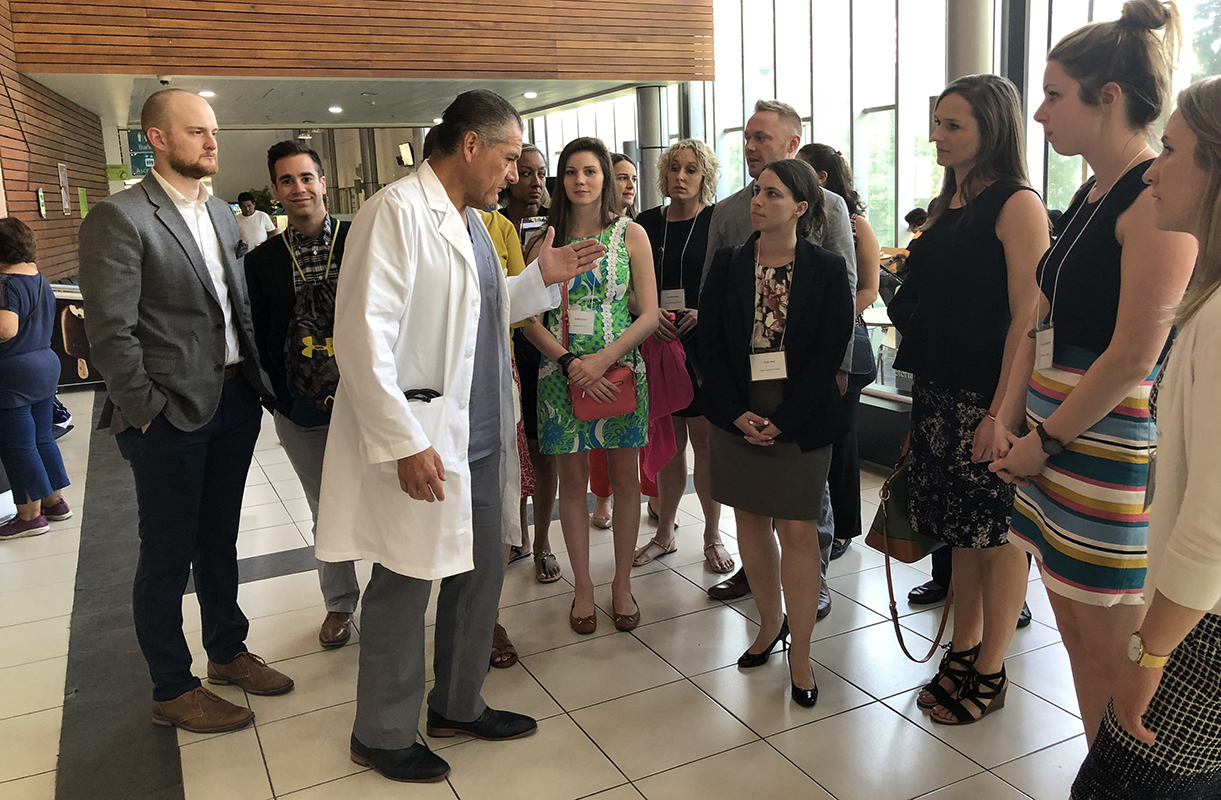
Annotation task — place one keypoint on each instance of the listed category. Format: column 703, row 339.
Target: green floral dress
column 604, row 289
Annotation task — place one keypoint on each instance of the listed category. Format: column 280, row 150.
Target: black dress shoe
column 731, row 588
column 824, row 601
column 927, row 593
column 803, row 697
column 492, row 725
column 749, row 659
column 1024, row 618
column 415, row 764
column 839, row 547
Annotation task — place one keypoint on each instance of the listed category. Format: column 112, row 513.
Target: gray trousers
column 390, row 685
column 305, row 448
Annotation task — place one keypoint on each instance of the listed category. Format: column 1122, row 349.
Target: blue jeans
column 28, row 452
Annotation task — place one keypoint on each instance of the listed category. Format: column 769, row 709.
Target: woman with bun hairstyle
column 1074, row 430
column 1161, row 737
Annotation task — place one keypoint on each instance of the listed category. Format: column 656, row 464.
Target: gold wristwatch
column 1141, row 657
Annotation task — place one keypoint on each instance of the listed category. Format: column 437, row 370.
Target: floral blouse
column 771, row 305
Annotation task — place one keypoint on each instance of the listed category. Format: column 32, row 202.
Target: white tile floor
column 663, row 712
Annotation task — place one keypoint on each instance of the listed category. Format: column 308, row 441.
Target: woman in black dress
column 687, row 174
column 963, row 312
column 776, row 316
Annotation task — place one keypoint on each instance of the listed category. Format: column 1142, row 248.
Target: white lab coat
column 406, row 317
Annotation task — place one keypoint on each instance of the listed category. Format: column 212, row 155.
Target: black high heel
column 749, row 659
column 802, row 697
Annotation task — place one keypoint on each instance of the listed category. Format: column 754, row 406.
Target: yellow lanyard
column 329, row 256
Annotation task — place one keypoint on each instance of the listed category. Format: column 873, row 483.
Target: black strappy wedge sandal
column 947, row 669
column 985, row 692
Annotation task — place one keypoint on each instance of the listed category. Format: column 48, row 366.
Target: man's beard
column 200, row 169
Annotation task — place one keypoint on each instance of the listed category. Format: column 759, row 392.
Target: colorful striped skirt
column 1084, row 515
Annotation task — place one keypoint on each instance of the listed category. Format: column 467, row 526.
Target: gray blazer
column 155, row 327
column 730, row 227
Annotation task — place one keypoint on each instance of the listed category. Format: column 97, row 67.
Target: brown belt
column 231, row 372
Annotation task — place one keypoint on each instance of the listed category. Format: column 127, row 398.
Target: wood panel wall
column 553, row 39
column 39, row 130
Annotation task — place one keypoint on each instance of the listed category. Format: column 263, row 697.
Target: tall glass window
column 758, row 52
column 832, row 72
column 794, row 71
column 873, row 97
column 921, row 61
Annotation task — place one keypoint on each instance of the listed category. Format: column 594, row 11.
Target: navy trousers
column 189, row 489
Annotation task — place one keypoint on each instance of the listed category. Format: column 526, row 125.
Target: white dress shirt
column 195, row 215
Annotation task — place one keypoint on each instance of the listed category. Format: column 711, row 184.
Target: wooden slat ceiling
column 616, row 40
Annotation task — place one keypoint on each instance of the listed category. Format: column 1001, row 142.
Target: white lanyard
column 1060, row 266
column 675, row 297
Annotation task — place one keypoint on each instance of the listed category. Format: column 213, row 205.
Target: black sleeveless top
column 1087, row 298
column 953, row 308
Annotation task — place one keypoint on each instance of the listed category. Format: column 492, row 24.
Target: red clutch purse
column 584, row 406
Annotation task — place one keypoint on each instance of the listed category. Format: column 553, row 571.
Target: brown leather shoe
column 201, row 711
column 336, row 629
column 824, row 601
column 732, row 588
column 251, row 673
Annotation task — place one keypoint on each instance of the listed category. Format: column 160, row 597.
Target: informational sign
column 141, row 153
column 42, row 204
column 118, row 172
column 63, row 190
column 83, row 197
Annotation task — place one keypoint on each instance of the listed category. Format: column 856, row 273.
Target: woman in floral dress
column 602, row 331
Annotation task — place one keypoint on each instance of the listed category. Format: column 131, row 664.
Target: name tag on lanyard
column 1044, row 348
column 673, row 299
column 581, row 323
column 768, row 366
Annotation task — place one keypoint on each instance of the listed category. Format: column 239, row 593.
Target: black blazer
column 269, row 274
column 819, row 327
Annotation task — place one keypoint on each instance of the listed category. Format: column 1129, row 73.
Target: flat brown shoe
column 336, row 629
column 627, row 622
column 582, row 625
column 201, row 711
column 251, row 673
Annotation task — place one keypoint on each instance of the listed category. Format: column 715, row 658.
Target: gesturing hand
column 422, row 476
column 562, row 264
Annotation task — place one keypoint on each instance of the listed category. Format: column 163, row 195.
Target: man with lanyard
column 280, row 272
column 774, row 132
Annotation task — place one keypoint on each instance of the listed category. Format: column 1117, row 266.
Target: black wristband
column 565, row 360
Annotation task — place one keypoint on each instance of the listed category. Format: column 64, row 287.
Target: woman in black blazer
column 775, row 319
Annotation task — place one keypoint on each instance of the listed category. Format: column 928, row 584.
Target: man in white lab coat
column 421, row 474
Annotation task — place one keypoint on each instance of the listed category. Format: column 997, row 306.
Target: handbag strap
column 890, row 583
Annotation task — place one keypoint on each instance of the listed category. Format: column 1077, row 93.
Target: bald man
column 170, row 330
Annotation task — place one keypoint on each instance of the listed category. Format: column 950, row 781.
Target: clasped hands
column 1014, row 459
column 587, row 373
column 756, row 429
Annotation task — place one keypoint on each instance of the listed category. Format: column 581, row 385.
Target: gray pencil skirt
column 776, row 481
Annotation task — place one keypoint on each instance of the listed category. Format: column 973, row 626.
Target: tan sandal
column 504, row 654
column 710, row 558
column 642, row 556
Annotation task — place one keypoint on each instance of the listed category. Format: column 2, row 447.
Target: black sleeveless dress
column 953, row 312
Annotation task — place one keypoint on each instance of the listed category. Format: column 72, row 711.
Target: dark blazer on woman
column 818, row 329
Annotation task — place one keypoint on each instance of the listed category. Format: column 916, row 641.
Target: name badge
column 673, row 299
column 1044, row 348
column 1151, row 481
column 581, row 323
column 768, row 366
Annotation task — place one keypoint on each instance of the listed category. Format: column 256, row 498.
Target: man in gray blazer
column 774, row 132
column 170, row 330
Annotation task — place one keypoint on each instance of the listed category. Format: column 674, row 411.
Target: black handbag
column 892, row 535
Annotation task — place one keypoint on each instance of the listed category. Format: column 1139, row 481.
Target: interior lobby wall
column 242, row 161
column 39, row 130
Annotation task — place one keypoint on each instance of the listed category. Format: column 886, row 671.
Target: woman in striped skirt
column 1100, row 333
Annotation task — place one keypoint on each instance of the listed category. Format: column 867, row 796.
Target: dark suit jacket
column 156, row 329
column 818, row 329
column 269, row 274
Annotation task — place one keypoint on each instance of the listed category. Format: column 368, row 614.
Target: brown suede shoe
column 200, row 711
column 251, row 673
column 336, row 629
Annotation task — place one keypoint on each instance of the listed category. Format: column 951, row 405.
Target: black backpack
column 309, row 349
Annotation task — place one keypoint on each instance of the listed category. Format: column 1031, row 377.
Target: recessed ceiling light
column 368, row 94
column 207, row 93
column 530, row 95
column 436, row 121
column 335, row 109
column 304, row 135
